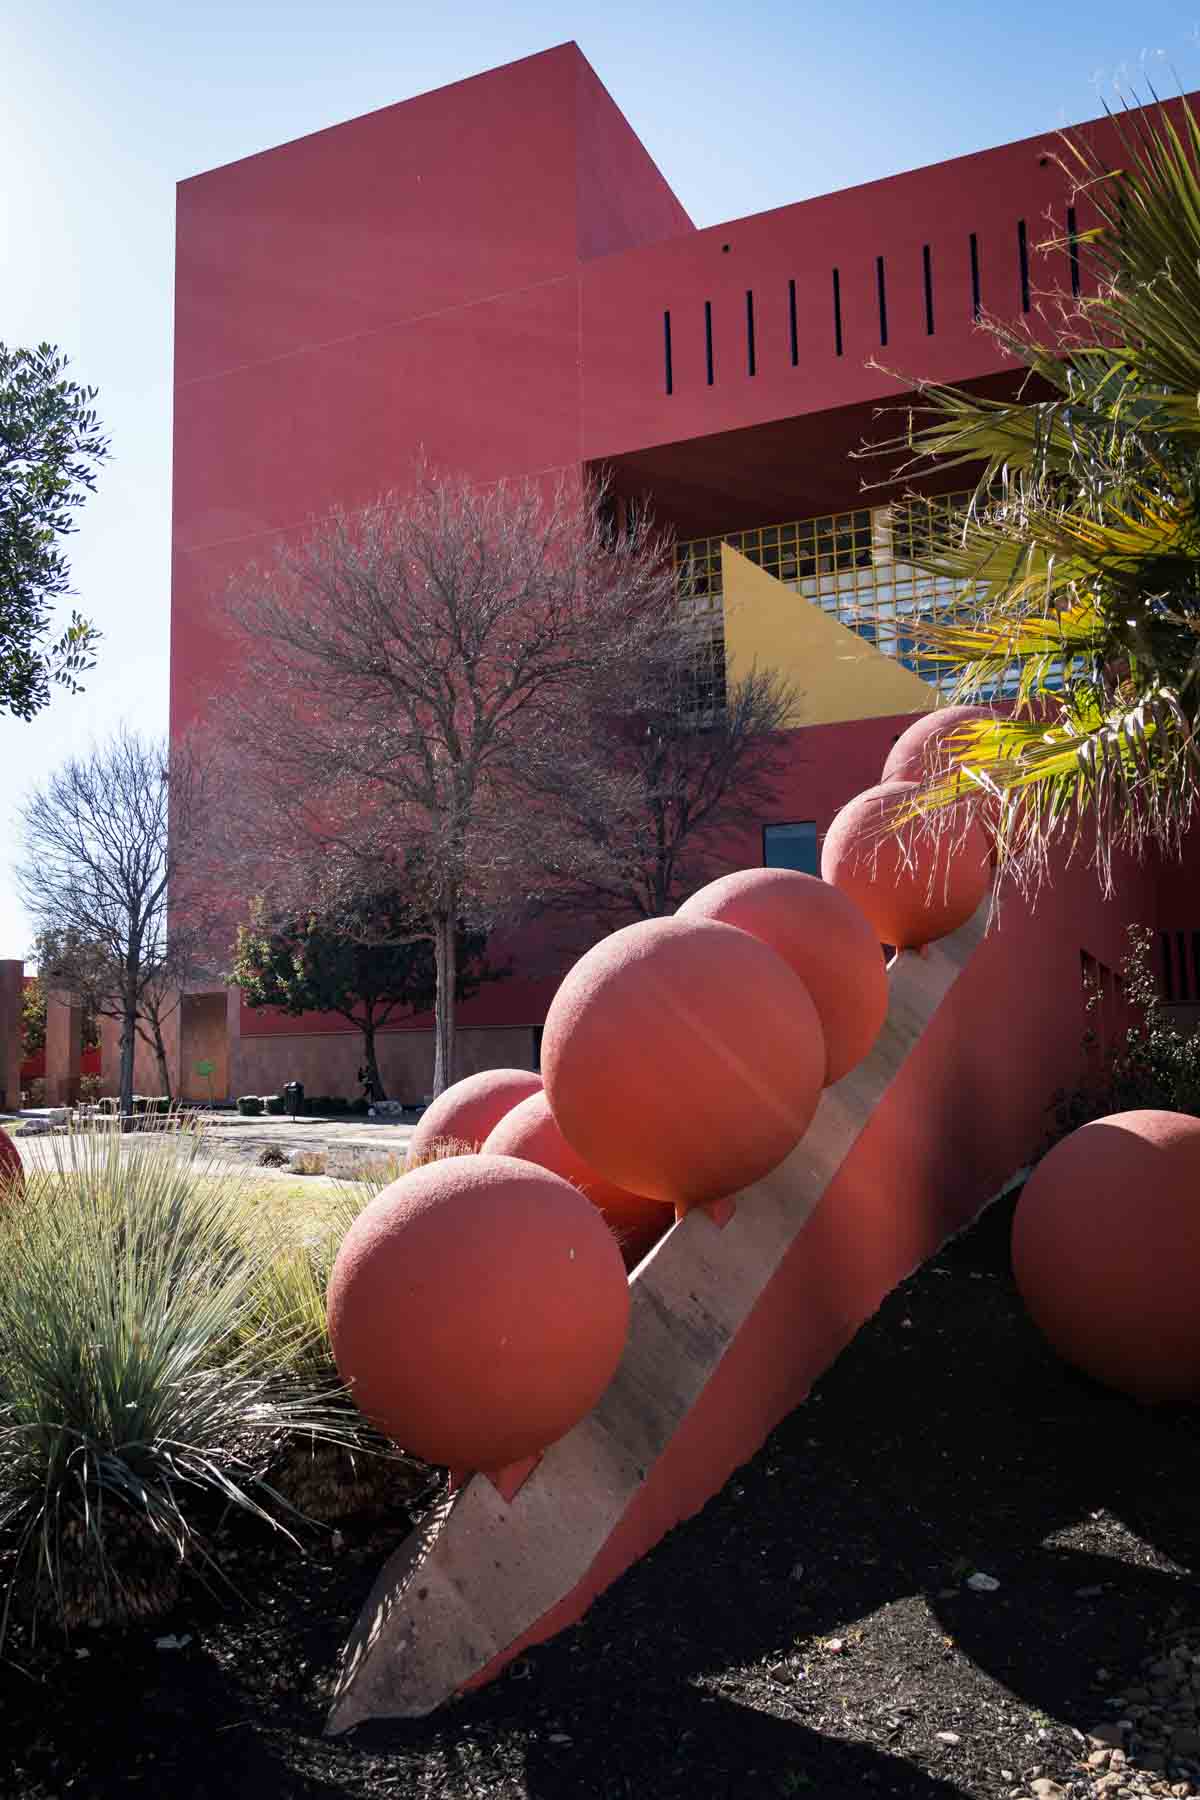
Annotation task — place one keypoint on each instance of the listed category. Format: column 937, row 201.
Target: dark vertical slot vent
column 667, row 369
column 708, row 355
column 927, row 264
column 1023, row 253
column 837, row 312
column 881, row 285
column 976, row 299
column 1164, row 938
column 1073, row 249
column 751, row 360
column 793, row 333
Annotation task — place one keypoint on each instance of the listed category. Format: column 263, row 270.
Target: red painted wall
column 481, row 273
column 404, row 282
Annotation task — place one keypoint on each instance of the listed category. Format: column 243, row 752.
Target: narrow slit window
column 837, row 313
column 1023, row 253
column 976, row 297
column 1164, row 938
column 793, row 331
column 751, row 360
column 708, row 347
column 927, row 264
column 667, row 368
column 1073, row 249
column 881, row 285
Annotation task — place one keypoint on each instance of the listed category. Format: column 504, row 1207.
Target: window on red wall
column 792, row 846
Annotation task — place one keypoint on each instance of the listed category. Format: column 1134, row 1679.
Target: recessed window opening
column 881, row 285
column 793, row 332
column 976, row 299
column 1180, row 966
column 792, row 846
column 1073, row 250
column 927, row 264
column 1023, row 253
column 708, row 345
column 1164, row 938
column 751, row 363
column 837, row 313
column 670, row 378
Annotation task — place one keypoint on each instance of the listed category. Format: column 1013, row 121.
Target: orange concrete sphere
column 12, row 1174
column 912, row 887
column 682, row 1059
column 478, row 1309
column 529, row 1131
column 922, row 750
column 1106, row 1252
column 467, row 1111
column 822, row 935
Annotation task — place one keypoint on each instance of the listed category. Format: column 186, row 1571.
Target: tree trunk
column 374, row 1081
column 128, row 1043
column 444, row 953
column 160, row 1055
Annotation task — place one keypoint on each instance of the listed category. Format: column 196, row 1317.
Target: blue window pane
column 792, row 847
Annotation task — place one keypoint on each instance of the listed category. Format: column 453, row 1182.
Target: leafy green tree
column 1080, row 549
column 33, row 1017
column 54, row 953
column 51, row 445
column 372, row 961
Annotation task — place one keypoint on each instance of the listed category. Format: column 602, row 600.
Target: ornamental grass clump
column 141, row 1391
column 324, row 1475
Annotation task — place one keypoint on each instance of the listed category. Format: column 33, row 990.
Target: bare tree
column 636, row 811
column 97, row 873
column 406, row 668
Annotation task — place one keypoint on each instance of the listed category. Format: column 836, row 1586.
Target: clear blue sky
column 107, row 105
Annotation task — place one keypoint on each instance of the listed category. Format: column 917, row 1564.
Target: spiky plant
column 137, row 1383
column 1080, row 549
column 324, row 1476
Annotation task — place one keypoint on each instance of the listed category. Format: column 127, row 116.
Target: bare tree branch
column 408, row 670
column 98, row 872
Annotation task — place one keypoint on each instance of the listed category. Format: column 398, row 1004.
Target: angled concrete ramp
column 734, row 1314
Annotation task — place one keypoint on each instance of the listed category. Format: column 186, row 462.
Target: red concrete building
column 499, row 275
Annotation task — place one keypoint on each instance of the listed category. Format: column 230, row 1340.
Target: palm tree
column 1079, row 551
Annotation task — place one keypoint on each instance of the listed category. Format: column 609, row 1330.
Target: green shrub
column 1150, row 1064
column 273, row 1103
column 289, row 1295
column 249, row 1105
column 89, row 1089
column 138, row 1384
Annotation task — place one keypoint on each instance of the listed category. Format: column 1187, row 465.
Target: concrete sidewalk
column 228, row 1137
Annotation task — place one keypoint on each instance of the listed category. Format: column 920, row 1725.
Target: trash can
column 293, row 1095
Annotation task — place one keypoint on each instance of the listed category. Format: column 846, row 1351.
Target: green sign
column 205, row 1068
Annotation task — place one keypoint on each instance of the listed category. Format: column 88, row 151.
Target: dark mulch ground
column 946, row 1440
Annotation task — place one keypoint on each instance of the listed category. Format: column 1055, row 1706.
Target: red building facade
column 498, row 276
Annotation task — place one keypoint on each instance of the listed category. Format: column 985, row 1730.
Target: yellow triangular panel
column 837, row 674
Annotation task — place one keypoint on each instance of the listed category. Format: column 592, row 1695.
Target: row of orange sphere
column 479, row 1306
